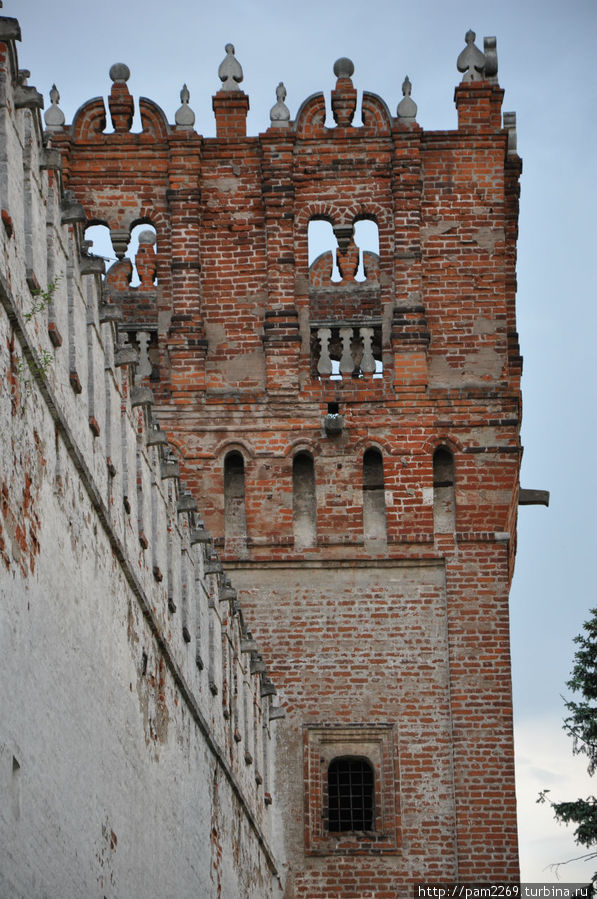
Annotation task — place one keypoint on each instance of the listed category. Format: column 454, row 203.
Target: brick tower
column 353, row 429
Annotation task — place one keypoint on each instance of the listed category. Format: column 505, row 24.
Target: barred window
column 350, row 794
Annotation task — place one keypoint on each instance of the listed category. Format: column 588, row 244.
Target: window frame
column 376, row 744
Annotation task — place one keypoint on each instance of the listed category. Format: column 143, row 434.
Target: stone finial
column 471, row 61
column 407, row 108
column 280, row 114
column 147, row 237
column 230, row 71
column 185, row 117
column 344, row 95
column 145, row 260
column 120, row 73
column 54, row 117
column 344, row 67
column 120, row 101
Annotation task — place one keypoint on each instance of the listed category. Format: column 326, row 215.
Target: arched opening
column 321, row 239
column 350, row 794
column 141, row 251
column 374, row 502
column 234, row 502
column 366, row 237
column 101, row 243
column 444, row 504
column 304, row 507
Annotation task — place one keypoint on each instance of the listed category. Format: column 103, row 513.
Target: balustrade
column 343, row 350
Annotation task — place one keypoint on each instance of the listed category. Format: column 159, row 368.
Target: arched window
column 444, row 504
column 350, row 794
column 366, row 237
column 101, row 243
column 304, row 509
column 234, row 500
column 374, row 502
column 321, row 240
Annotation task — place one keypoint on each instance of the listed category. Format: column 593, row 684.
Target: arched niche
column 304, row 505
column 374, row 501
column 444, row 503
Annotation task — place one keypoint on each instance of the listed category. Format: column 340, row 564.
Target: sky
column 547, row 52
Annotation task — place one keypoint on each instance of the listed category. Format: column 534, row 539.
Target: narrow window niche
column 234, row 503
column 16, row 789
column 304, row 508
column 444, row 503
column 374, row 503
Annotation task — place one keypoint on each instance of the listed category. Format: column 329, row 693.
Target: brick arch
column 143, row 219
column 178, row 446
column 310, row 118
column 318, row 210
column 153, row 119
column 375, row 115
column 382, row 444
column 300, row 445
column 89, row 119
column 237, row 445
column 449, row 441
column 94, row 220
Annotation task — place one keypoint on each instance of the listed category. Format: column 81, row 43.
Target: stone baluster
column 367, row 360
column 346, row 360
column 143, row 369
column 324, row 366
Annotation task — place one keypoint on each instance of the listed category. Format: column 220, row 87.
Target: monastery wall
column 136, row 716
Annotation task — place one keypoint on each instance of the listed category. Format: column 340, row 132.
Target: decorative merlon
column 54, row 117
column 50, row 158
column 125, row 355
column 10, row 30
column 186, row 503
column 199, row 535
column 156, row 437
column 491, row 59
column 471, row 61
column 141, row 396
column 185, row 117
column 230, row 70
column 510, row 126
column 108, row 312
column 279, row 113
column 71, row 210
column 407, row 108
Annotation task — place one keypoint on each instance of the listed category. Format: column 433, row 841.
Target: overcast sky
column 547, row 64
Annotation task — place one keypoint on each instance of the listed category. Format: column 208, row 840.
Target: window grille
column 350, row 795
